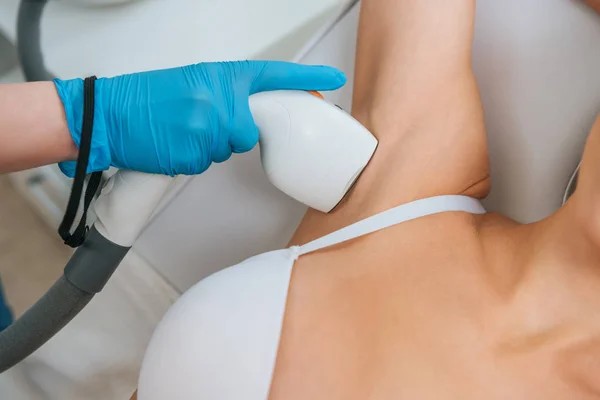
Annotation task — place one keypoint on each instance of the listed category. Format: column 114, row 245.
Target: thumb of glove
column 244, row 135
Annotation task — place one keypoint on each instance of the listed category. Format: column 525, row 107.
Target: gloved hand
column 180, row 120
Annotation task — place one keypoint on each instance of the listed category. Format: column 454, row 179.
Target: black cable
column 32, row 63
column 77, row 238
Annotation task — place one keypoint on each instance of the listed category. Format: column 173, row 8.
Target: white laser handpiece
column 310, row 149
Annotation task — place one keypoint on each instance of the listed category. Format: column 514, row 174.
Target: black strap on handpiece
column 77, row 238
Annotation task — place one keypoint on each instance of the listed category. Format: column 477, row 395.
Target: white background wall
column 149, row 34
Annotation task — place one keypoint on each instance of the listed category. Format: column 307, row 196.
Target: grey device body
column 92, row 264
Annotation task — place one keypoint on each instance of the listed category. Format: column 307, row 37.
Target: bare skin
column 33, row 127
column 451, row 306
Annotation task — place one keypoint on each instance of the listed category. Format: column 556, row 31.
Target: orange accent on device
column 317, row 94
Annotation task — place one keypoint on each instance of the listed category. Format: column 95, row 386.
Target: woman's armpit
column 403, row 171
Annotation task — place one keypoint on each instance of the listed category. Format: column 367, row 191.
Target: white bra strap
column 395, row 216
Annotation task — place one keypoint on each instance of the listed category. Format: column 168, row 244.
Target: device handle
column 126, row 203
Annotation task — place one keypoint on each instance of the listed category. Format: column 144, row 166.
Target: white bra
column 219, row 341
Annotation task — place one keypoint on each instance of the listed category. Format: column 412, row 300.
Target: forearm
column 33, row 128
column 409, row 54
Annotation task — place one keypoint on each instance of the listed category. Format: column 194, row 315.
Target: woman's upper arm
column 415, row 91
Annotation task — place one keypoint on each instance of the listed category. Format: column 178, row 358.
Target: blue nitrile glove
column 179, row 120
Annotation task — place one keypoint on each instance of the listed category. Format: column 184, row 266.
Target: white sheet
column 537, row 63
